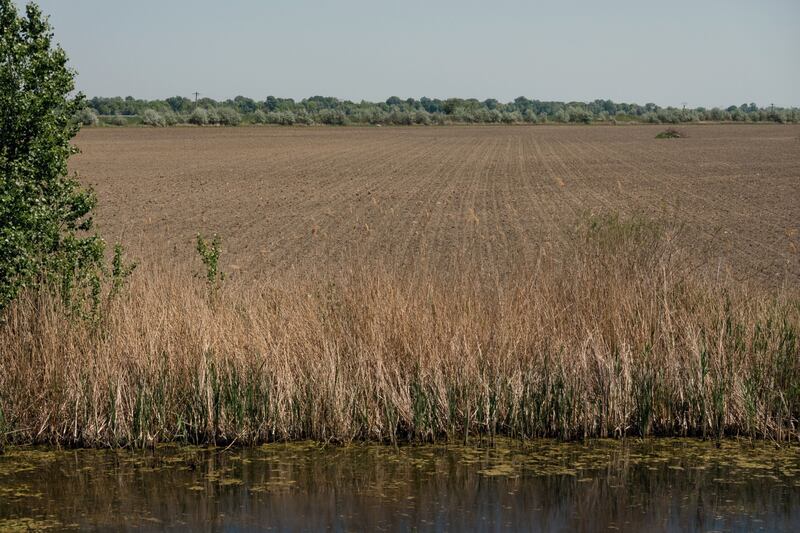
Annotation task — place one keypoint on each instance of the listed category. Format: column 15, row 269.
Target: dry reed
column 612, row 339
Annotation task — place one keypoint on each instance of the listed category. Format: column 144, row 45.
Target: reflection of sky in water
column 664, row 484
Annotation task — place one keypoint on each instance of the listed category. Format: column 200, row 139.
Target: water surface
column 664, row 484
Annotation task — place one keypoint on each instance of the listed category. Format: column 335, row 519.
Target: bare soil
column 443, row 197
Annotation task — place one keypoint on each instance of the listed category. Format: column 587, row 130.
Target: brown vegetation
column 613, row 337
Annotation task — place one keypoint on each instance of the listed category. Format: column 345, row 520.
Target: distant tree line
column 396, row 111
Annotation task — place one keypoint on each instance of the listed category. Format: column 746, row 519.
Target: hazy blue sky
column 707, row 53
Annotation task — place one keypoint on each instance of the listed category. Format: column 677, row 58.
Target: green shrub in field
column 651, row 118
column 171, row 118
column 286, row 118
column 118, row 120
column 213, row 116
column 334, row 117
column 86, row 117
column 579, row 114
column 399, row 118
column 301, row 116
column 152, row 118
column 199, row 117
column 227, row 116
column 670, row 133
column 561, row 116
column 422, row 117
column 259, row 117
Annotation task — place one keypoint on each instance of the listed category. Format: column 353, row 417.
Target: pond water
column 661, row 484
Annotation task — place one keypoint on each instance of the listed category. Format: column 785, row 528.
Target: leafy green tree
column 450, row 105
column 244, row 105
column 179, row 104
column 44, row 212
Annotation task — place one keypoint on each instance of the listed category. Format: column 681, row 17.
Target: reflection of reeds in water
column 364, row 488
column 614, row 338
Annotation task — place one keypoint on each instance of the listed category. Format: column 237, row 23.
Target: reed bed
column 614, row 338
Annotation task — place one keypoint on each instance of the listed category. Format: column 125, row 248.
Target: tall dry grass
column 613, row 338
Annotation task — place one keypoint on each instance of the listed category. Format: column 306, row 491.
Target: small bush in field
column 152, row 118
column 87, row 117
column 213, row 116
column 259, row 117
column 199, row 117
column 228, row 116
column 670, row 133
column 171, row 118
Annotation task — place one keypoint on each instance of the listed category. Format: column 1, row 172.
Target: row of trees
column 329, row 110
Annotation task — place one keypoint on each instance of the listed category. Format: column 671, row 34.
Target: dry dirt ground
column 442, row 197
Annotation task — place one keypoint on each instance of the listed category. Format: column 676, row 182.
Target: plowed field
column 443, row 197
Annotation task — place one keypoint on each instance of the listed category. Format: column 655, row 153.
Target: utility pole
column 684, row 105
column 196, row 94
